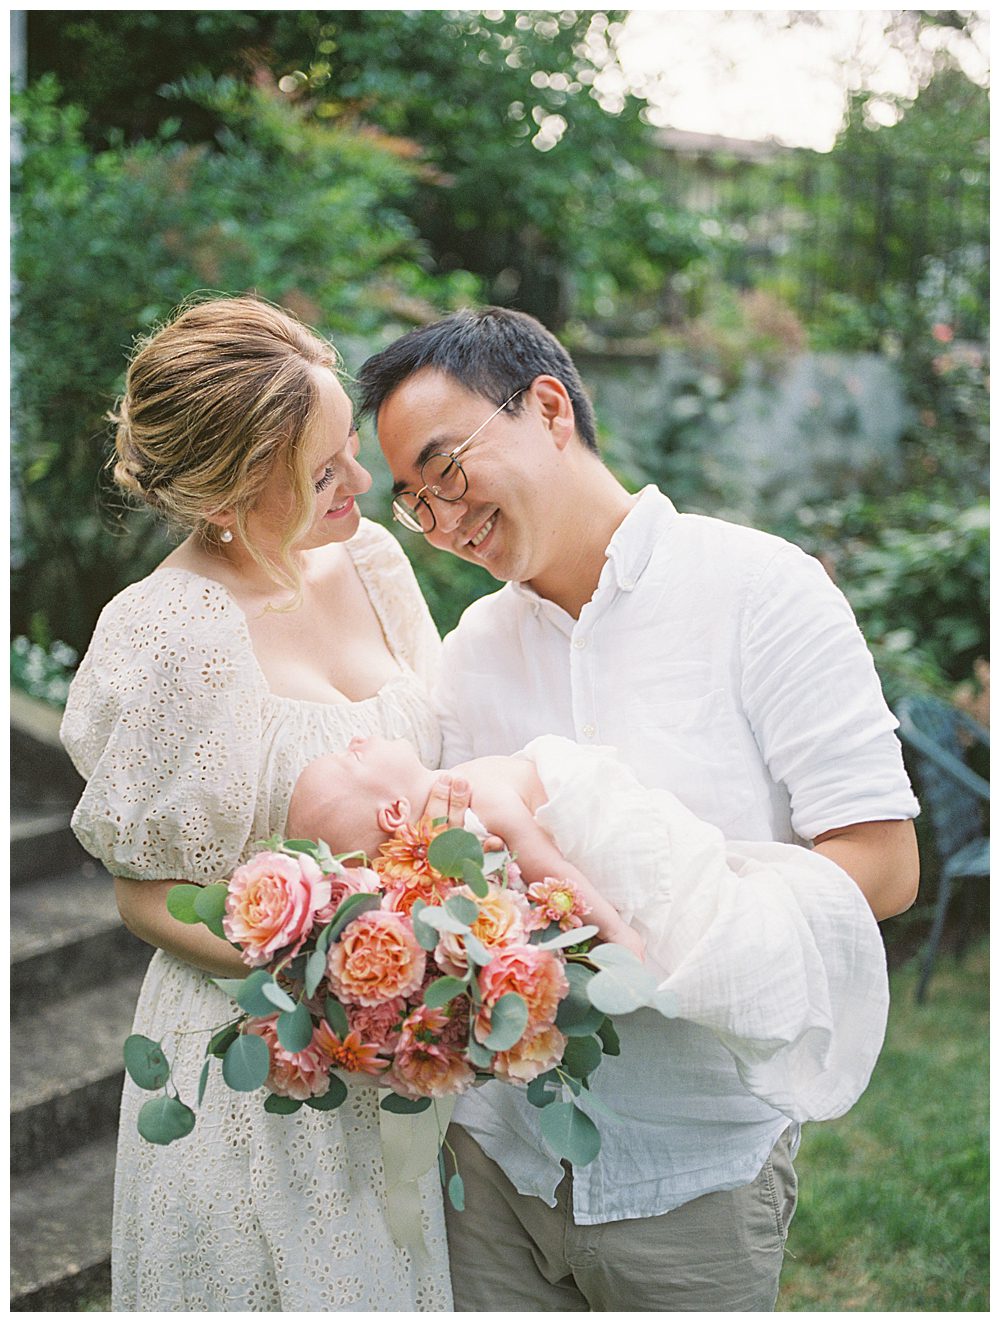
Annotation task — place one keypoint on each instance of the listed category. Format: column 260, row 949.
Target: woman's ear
column 557, row 408
column 391, row 816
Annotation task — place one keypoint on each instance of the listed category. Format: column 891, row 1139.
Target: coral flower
column 354, row 881
column 376, row 959
column 557, row 901
column 403, row 858
column 533, row 1055
column 272, row 904
column 349, row 1053
column 378, row 1024
column 298, row 1074
column 503, row 921
column 536, row 975
column 429, row 1070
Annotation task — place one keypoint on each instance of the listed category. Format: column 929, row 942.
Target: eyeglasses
column 443, row 477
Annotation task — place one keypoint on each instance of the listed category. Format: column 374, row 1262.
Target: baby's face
column 371, row 773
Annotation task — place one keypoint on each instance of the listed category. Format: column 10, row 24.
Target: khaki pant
column 719, row 1253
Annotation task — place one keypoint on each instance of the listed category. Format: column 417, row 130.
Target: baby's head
column 355, row 799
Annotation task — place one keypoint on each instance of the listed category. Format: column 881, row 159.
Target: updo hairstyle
column 212, row 401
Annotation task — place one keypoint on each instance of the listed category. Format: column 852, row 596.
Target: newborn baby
column 354, row 800
column 770, row 946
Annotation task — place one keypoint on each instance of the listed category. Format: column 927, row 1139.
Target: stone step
column 60, row 1223
column 65, row 933
column 67, row 1071
column 42, row 843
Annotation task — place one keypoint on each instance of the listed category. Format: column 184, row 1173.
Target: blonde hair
column 212, row 401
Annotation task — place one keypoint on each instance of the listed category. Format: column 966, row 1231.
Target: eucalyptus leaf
column 462, row 908
column 441, row 920
column 221, row 1041
column 475, row 949
column 353, row 907
column 591, row 1100
column 404, row 1105
column 180, row 902
column 250, row 995
column 571, row 938
column 315, row 969
column 275, row 1104
column 443, row 990
column 495, row 861
column 623, row 984
column 427, row 937
column 449, row 850
column 508, row 1020
column 277, row 996
column 472, row 875
column 162, row 1120
column 576, row 1017
column 335, row 1095
column 582, row 1056
column 308, row 847
column 479, row 1056
column 456, row 1192
column 442, row 1172
column 146, row 1064
column 540, row 1091
column 336, row 1017
column 608, row 1034
column 210, row 905
column 570, row 1133
column 323, row 940
column 295, row 1028
column 246, row 1064
column 203, row 1079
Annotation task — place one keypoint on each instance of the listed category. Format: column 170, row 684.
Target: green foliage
column 570, row 1133
column 42, row 672
column 246, row 1064
column 162, row 1120
column 508, row 1020
column 145, row 1062
column 448, row 852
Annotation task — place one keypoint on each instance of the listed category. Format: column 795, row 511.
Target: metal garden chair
column 953, row 795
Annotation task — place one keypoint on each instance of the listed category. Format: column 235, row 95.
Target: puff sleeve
column 163, row 721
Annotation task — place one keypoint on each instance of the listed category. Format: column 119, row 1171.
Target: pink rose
column 298, row 1074
column 272, row 904
column 355, row 881
column 536, row 975
column 533, row 1055
column 378, row 1023
column 376, row 959
column 502, row 921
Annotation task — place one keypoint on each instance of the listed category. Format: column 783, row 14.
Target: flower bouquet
column 424, row 973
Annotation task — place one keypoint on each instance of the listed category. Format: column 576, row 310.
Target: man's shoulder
column 702, row 533
column 485, row 616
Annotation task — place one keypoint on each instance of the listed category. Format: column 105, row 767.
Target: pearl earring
column 226, row 535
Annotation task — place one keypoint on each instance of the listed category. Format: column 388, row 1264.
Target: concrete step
column 60, row 1244
column 67, row 1071
column 42, row 843
column 66, row 933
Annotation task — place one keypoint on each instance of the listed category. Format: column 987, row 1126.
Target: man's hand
column 881, row 857
column 449, row 798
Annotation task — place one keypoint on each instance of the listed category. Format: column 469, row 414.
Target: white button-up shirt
column 723, row 665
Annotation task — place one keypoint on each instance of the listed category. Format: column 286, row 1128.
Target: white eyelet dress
column 190, row 759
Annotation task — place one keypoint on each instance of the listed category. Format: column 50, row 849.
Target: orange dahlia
column 406, row 874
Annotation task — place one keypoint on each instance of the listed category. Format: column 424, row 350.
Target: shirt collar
column 629, row 550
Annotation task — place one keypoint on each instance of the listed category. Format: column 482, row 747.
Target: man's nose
column 449, row 514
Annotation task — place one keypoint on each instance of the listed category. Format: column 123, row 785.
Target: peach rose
column 298, row 1074
column 379, row 1024
column 502, row 921
column 533, row 1055
column 535, row 974
column 376, row 959
column 272, row 904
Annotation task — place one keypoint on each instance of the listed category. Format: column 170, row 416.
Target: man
column 723, row 665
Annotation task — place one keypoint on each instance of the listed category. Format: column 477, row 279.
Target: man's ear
column 557, row 408
column 391, row 816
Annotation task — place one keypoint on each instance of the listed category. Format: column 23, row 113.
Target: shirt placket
column 583, row 667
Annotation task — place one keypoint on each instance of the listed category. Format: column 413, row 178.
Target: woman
column 282, row 626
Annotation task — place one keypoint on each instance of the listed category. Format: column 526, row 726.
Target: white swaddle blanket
column 770, row 946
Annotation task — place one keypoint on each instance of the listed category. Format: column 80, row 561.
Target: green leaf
column 275, row 1104
column 246, row 1064
column 472, row 875
column 426, row 936
column 404, row 1105
column 449, row 850
column 295, row 1028
column 222, row 1040
column 277, row 996
column 608, row 1034
column 441, row 920
column 582, row 1056
column 475, row 949
column 335, row 1095
column 543, row 1090
column 336, row 1017
column 315, row 969
column 479, row 1055
column 210, row 905
column 576, row 1017
column 249, row 992
column 146, row 1064
column 180, row 903
column 623, row 984
column 462, row 908
column 309, row 847
column 353, row 907
column 571, row 938
column 164, row 1119
column 592, row 1100
column 443, row 990
column 323, row 940
column 456, row 1192
column 570, row 1133
column 508, row 1020
column 203, row 1079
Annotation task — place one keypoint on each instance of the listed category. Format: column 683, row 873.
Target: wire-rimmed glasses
column 443, row 477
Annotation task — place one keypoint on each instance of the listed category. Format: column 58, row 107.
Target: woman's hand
column 450, row 798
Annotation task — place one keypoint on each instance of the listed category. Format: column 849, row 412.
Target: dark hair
column 490, row 351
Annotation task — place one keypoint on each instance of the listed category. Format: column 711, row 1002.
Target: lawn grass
column 893, row 1199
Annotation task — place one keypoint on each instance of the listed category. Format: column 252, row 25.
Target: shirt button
column 588, row 732
column 628, row 584
column 579, row 642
